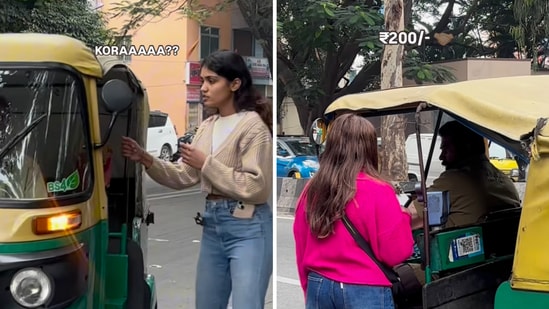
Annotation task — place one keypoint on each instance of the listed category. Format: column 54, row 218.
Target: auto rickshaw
column 500, row 262
column 73, row 211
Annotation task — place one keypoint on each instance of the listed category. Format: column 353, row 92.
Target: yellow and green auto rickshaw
column 73, row 213
column 501, row 261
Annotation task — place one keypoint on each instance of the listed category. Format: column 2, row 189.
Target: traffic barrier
column 288, row 191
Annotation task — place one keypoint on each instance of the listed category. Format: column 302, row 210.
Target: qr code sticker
column 468, row 245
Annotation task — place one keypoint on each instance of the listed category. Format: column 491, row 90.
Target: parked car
column 161, row 136
column 504, row 161
column 296, row 157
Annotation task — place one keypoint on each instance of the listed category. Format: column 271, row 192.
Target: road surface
column 174, row 242
column 289, row 292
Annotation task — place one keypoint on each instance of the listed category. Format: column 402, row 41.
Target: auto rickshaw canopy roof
column 509, row 106
column 53, row 48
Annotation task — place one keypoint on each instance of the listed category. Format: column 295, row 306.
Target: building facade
column 173, row 81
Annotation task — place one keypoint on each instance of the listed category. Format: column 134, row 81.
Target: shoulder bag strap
column 365, row 246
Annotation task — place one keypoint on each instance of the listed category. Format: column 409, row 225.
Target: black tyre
column 166, row 152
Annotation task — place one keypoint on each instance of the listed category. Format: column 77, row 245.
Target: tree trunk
column 304, row 112
column 393, row 152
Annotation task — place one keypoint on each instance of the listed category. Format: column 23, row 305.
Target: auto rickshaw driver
column 476, row 187
column 24, row 180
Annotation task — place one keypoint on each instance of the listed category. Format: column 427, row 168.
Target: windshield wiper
column 19, row 136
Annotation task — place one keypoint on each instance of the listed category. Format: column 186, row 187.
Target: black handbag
column 402, row 277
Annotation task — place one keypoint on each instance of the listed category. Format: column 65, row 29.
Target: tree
column 257, row 14
column 533, row 26
column 69, row 17
column 393, row 127
column 317, row 44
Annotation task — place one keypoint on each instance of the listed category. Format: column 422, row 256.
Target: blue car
column 295, row 157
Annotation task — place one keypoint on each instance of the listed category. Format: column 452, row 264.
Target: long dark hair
column 351, row 148
column 231, row 66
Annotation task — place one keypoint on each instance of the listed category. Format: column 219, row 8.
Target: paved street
column 289, row 292
column 174, row 245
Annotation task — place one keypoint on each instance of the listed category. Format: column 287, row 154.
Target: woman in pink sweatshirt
column 334, row 271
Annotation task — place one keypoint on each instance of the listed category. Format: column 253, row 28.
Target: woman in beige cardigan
column 231, row 156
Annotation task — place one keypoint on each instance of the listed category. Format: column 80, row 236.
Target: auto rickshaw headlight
column 31, row 287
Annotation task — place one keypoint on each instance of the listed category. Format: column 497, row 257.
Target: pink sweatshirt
column 378, row 218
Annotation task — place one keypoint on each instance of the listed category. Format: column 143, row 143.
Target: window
column 258, row 49
column 193, row 115
column 243, row 42
column 301, row 147
column 209, row 41
column 281, row 151
column 127, row 42
column 157, row 121
column 52, row 158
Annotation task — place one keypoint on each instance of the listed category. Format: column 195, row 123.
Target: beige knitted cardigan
column 241, row 168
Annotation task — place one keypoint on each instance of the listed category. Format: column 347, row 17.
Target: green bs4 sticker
column 67, row 184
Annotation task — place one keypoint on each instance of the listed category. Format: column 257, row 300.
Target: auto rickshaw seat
column 500, row 230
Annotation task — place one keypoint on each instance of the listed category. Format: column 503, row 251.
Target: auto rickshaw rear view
column 73, row 213
column 500, row 261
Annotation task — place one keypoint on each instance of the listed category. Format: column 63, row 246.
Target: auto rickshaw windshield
column 44, row 144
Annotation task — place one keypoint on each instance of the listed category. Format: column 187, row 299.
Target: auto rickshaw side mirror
column 318, row 131
column 116, row 95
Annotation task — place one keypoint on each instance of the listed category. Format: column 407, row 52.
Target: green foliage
column 533, row 23
column 416, row 69
column 318, row 41
column 69, row 17
column 493, row 18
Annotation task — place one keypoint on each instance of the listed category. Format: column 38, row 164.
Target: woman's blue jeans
column 236, row 255
column 323, row 293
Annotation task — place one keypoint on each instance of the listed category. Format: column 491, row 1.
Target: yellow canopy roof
column 530, row 267
column 509, row 106
column 36, row 48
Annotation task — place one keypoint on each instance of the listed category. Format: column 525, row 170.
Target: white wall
column 289, row 120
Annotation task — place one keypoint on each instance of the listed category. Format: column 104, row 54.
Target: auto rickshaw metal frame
column 512, row 112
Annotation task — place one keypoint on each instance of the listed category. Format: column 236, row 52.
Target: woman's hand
column 133, row 151
column 192, row 156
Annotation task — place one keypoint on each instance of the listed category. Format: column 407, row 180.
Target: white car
column 161, row 136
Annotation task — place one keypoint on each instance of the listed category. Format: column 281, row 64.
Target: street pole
column 393, row 127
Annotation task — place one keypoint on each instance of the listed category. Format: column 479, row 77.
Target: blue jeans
column 323, row 293
column 236, row 255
